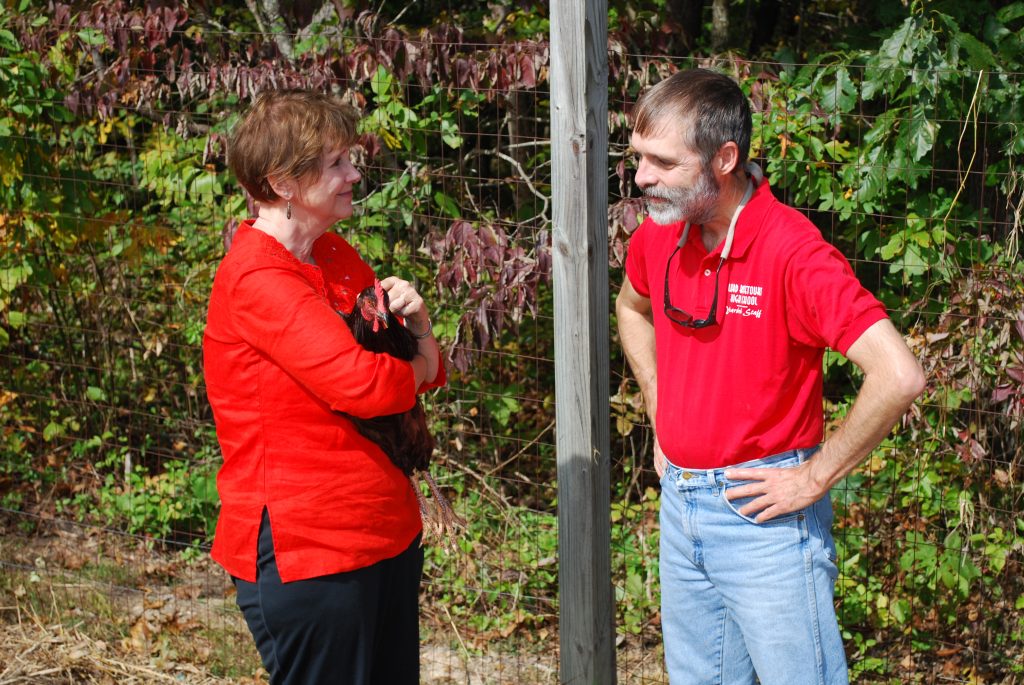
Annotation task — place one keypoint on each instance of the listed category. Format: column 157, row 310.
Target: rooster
column 403, row 437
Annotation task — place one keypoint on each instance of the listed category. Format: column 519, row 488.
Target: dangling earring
column 288, row 210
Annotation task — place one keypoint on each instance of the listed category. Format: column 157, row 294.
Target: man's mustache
column 659, row 193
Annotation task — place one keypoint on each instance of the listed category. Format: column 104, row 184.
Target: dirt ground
column 39, row 654
column 88, row 606
column 36, row 653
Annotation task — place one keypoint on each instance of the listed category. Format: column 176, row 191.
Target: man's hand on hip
column 776, row 491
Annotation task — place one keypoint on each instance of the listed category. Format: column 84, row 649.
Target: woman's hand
column 405, row 302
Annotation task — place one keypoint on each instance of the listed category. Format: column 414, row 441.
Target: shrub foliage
column 904, row 149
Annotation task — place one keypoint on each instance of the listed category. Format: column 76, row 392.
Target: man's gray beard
column 696, row 204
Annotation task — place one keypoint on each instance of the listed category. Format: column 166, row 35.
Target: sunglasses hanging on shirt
column 680, row 316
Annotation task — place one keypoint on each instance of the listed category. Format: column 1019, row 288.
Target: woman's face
column 330, row 197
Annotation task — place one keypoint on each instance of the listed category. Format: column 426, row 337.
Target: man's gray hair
column 709, row 107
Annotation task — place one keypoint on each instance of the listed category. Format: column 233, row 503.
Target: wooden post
column 579, row 150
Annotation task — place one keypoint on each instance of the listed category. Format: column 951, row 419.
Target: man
column 729, row 301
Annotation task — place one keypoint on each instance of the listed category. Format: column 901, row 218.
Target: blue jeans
column 742, row 600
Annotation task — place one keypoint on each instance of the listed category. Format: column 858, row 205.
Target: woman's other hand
column 405, row 302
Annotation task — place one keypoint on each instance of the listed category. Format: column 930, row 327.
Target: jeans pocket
column 736, row 504
column 820, row 514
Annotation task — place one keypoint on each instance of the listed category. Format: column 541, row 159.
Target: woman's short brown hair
column 284, row 134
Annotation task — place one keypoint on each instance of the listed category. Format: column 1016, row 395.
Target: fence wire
column 107, row 473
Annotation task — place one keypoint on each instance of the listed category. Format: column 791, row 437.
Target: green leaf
column 900, row 610
column 979, row 55
column 91, row 36
column 8, row 41
column 204, row 186
column 922, row 133
column 889, row 67
column 52, row 431
column 450, row 134
column 940, row 235
column 381, row 82
column 897, row 49
column 893, row 247
column 12, row 277
column 874, row 180
column 1010, row 12
column 882, row 128
column 120, row 246
column 838, row 150
column 95, row 394
column 447, row 204
column 840, row 95
column 634, row 585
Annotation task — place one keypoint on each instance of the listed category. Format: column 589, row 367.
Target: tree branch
column 270, row 22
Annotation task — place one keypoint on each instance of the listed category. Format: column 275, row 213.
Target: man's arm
column 892, row 381
column 636, row 332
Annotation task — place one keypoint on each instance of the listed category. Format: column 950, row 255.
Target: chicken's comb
column 378, row 291
column 382, row 309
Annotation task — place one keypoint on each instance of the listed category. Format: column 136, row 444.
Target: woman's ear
column 284, row 188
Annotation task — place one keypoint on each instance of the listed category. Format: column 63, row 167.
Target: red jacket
column 280, row 363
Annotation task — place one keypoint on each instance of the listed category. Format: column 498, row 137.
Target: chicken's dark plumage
column 404, row 437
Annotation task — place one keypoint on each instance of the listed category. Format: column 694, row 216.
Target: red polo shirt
column 751, row 385
column 279, row 364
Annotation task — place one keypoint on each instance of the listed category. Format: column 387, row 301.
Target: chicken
column 405, row 437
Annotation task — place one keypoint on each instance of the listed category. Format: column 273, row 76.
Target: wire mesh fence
column 117, row 223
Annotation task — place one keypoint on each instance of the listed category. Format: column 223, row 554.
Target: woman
column 318, row 529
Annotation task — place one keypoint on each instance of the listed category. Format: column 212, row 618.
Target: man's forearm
column 873, row 414
column 636, row 333
column 893, row 380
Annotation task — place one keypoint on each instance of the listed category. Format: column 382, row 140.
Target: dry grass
column 34, row 651
column 82, row 605
column 85, row 606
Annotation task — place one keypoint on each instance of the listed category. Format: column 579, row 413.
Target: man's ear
column 285, row 188
column 727, row 158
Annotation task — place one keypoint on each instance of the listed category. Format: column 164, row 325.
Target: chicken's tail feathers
column 440, row 522
column 421, row 500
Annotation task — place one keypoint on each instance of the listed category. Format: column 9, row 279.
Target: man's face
column 676, row 185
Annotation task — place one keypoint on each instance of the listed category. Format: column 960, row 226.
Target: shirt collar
column 751, row 219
